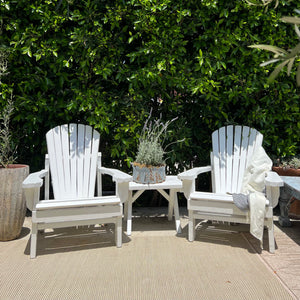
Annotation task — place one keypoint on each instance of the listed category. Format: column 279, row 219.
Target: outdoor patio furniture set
column 75, row 166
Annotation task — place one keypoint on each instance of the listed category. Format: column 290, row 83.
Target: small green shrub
column 7, row 147
column 150, row 153
column 292, row 163
column 150, row 150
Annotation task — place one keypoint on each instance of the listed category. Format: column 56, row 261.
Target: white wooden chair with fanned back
column 232, row 150
column 74, row 163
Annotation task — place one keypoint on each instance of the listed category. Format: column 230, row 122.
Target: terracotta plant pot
column 148, row 175
column 12, row 201
column 294, row 211
column 286, row 171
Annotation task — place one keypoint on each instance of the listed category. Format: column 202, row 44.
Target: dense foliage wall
column 107, row 63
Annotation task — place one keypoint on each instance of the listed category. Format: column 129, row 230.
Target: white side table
column 172, row 183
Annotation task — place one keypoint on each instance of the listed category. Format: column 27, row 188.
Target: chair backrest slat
column 216, row 160
column 95, row 162
column 229, row 157
column 73, row 152
column 65, row 167
column 233, row 147
column 222, row 163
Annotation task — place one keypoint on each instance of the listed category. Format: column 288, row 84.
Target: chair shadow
column 206, row 231
column 218, row 233
column 103, row 236
column 69, row 239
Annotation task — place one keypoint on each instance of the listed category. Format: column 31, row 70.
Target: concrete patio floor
column 225, row 262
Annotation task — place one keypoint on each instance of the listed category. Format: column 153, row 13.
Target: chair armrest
column 31, row 186
column 188, row 179
column 117, row 175
column 34, row 180
column 273, row 179
column 122, row 181
column 273, row 183
column 193, row 173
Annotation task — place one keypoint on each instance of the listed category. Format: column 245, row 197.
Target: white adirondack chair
column 74, row 163
column 232, row 149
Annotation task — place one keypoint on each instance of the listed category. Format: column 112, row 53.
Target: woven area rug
column 154, row 263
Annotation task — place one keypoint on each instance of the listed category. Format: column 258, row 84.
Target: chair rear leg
column 33, row 242
column 191, row 226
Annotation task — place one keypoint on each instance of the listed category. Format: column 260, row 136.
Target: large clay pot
column 294, row 211
column 286, row 171
column 148, row 175
column 12, row 201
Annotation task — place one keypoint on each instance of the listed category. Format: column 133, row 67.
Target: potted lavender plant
column 149, row 165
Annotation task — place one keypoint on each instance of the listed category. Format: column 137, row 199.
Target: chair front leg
column 33, row 241
column 118, row 232
column 191, row 226
column 271, row 237
column 129, row 213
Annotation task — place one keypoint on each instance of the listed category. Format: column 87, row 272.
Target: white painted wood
column 273, row 179
column 74, row 223
column 254, row 142
column 128, row 213
column 51, row 152
column 193, row 173
column 216, row 160
column 236, row 158
column 80, row 160
column 229, row 158
column 172, row 183
column 98, row 201
column 35, row 179
column 81, row 214
column 117, row 175
column 232, row 149
column 99, row 176
column 47, row 177
column 243, row 157
column 65, row 166
column 174, row 200
column 74, row 162
column 94, row 162
column 73, row 158
column 222, row 159
column 87, row 160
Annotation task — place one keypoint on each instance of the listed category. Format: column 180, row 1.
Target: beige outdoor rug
column 153, row 263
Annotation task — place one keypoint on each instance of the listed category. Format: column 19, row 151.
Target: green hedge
column 107, row 63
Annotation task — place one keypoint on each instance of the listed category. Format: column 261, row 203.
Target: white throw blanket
column 253, row 185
